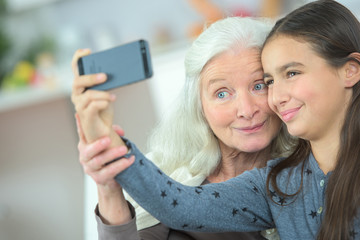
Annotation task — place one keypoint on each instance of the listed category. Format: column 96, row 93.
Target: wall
column 40, row 180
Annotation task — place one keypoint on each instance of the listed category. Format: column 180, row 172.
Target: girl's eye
column 291, row 74
column 269, row 82
column 259, row 86
column 222, row 95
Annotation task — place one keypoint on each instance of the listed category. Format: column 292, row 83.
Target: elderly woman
column 220, row 127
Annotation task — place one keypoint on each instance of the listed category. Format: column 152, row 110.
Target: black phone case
column 123, row 65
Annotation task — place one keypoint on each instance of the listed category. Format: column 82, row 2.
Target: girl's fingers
column 103, row 174
column 74, row 62
column 88, row 152
column 117, row 167
column 108, row 172
column 119, row 130
column 106, row 157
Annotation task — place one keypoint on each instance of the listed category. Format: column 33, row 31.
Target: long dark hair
column 333, row 33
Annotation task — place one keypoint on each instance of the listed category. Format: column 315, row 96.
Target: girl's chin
column 295, row 132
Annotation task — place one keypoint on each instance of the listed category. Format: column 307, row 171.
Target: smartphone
column 123, row 65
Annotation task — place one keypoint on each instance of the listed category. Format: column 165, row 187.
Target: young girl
column 311, row 64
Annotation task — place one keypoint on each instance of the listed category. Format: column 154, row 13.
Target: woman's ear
column 352, row 70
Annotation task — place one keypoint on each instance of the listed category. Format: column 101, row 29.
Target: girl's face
column 304, row 90
column 234, row 101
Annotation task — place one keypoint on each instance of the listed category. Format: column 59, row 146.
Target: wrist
column 113, row 207
column 116, row 140
column 109, row 190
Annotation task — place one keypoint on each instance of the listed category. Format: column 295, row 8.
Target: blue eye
column 259, row 86
column 222, row 94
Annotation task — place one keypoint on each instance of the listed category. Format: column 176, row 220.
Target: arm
column 94, row 121
column 129, row 230
column 94, row 118
column 93, row 157
column 124, row 231
column 239, row 204
column 112, row 223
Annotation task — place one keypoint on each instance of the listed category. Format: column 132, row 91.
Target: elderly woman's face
column 234, row 100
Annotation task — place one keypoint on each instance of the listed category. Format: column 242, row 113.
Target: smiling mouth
column 252, row 129
column 289, row 114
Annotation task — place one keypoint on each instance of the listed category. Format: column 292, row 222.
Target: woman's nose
column 247, row 106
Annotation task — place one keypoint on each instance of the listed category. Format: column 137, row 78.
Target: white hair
column 183, row 137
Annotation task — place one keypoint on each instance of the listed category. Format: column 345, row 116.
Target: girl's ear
column 352, row 70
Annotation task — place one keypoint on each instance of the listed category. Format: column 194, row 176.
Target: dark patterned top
column 239, row 204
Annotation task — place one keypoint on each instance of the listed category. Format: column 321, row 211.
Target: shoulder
column 259, row 176
column 262, row 173
column 273, row 162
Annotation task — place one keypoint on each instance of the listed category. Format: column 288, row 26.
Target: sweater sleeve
column 116, row 232
column 128, row 230
column 239, row 204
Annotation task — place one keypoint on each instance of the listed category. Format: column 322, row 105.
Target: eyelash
column 269, row 82
column 291, row 74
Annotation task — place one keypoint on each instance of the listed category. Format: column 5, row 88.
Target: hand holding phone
column 123, row 65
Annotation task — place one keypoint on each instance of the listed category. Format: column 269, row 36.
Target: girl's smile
column 289, row 114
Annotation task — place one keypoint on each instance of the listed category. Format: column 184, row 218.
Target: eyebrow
column 212, row 81
column 284, row 67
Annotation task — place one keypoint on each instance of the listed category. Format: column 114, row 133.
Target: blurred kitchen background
column 43, row 192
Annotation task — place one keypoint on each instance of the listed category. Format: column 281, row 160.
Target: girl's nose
column 278, row 94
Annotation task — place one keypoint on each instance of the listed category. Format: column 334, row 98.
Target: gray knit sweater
column 239, row 204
